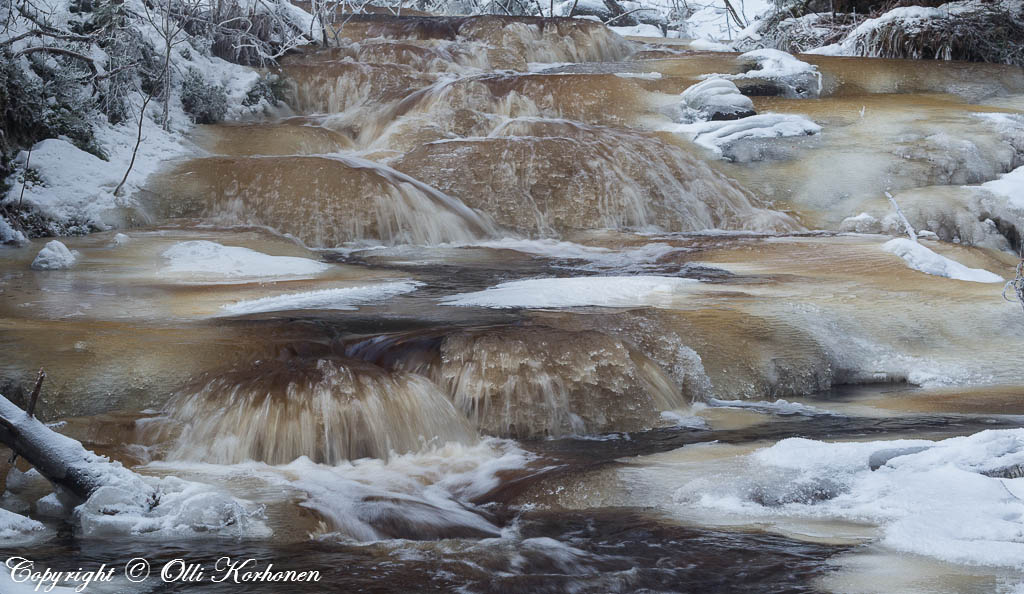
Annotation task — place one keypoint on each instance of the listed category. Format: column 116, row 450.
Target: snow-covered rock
column 720, row 136
column 345, row 298
column 919, row 257
column 121, row 239
column 718, row 99
column 774, row 72
column 641, row 30
column 54, row 256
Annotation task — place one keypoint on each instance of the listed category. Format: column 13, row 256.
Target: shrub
column 205, row 102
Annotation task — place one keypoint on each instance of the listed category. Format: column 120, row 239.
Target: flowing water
column 466, row 314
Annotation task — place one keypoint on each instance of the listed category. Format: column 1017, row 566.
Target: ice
column 600, row 291
column 14, row 526
column 206, row 259
column 121, row 239
column 779, row 407
column 184, row 509
column 920, row 257
column 717, row 99
column 941, row 499
column 704, row 45
column 717, row 136
column 54, row 256
column 342, row 298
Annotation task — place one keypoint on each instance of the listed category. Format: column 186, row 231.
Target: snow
column 340, row 299
column 121, row 239
column 54, row 256
column 1009, row 186
column 14, row 526
column 704, row 45
column 796, row 76
column 207, row 259
column 711, row 21
column 717, row 97
column 599, row 291
column 641, row 30
column 931, row 498
column 919, row 257
column 716, row 135
column 9, row 234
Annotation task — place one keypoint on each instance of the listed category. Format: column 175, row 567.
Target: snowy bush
column 207, row 103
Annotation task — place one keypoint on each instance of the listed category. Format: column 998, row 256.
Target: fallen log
column 75, row 472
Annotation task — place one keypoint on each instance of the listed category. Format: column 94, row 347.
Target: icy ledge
column 597, row 291
column 919, row 257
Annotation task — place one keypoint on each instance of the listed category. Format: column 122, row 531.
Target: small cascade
column 531, row 382
column 290, row 137
column 547, row 177
column 324, row 201
column 327, row 410
column 531, row 39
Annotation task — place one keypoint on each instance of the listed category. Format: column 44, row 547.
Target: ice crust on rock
column 346, row 298
column 719, row 136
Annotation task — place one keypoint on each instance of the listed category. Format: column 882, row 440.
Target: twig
column 615, row 18
column 24, row 182
column 906, row 224
column 31, row 405
column 138, row 141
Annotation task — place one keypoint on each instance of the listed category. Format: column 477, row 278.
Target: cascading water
column 471, row 312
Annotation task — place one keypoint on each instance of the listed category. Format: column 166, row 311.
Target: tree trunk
column 76, row 471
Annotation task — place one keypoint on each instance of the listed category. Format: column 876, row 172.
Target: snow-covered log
column 75, row 471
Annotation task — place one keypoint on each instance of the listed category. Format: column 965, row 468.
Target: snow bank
column 717, row 99
column 717, row 136
column 14, row 526
column 209, row 259
column 952, row 499
column 711, row 21
column 919, row 257
column 54, row 256
column 344, row 298
column 599, row 291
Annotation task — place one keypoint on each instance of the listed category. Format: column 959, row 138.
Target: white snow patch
column 704, row 45
column 207, row 259
column 342, row 298
column 919, row 257
column 779, row 407
column 599, row 291
column 54, row 256
column 9, row 234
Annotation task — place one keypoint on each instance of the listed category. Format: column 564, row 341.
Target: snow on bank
column 598, row 291
column 207, row 259
column 919, row 257
column 952, row 499
column 717, row 136
column 54, row 256
column 341, row 299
